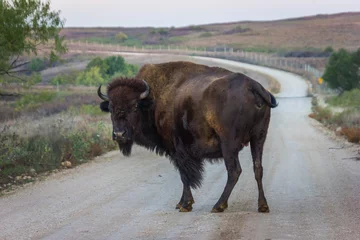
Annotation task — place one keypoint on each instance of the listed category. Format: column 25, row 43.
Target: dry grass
column 336, row 30
column 43, row 145
column 10, row 110
column 351, row 133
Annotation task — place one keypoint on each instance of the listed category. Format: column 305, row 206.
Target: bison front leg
column 257, row 145
column 234, row 170
column 187, row 200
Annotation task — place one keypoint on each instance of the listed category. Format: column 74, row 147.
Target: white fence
column 314, row 66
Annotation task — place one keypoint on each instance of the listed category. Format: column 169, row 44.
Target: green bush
column 91, row 77
column 342, row 71
column 98, row 71
column 113, row 66
column 36, row 64
column 162, row 31
column 100, row 63
column 121, row 36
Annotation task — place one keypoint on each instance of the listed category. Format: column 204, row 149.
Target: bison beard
column 125, row 148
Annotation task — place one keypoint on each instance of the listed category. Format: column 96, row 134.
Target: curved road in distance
column 312, row 192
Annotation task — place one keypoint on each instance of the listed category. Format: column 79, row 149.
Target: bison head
column 125, row 100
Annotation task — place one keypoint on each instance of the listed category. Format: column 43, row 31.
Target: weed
column 346, row 99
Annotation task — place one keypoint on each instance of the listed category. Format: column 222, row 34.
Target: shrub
column 206, row 34
column 342, row 71
column 329, row 49
column 37, row 64
column 352, row 134
column 121, row 36
column 98, row 62
column 92, row 77
column 162, row 31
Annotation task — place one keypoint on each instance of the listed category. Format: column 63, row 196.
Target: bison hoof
column 190, row 203
column 185, row 209
column 264, row 208
column 220, row 208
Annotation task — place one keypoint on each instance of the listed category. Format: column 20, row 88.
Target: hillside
column 306, row 33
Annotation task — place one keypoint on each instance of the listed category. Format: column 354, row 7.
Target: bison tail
column 266, row 95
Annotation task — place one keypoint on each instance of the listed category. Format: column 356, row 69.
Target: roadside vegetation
column 98, row 71
column 342, row 111
column 73, row 137
column 43, row 128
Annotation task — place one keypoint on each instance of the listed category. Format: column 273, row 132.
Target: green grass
column 86, row 109
column 265, row 49
column 347, row 99
column 32, row 100
column 131, row 41
column 205, row 34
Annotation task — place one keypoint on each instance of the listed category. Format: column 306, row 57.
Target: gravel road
column 313, row 193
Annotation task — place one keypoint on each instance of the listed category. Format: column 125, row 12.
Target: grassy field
column 45, row 127
column 313, row 33
column 43, row 130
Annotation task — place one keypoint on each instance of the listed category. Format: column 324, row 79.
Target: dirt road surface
column 313, row 193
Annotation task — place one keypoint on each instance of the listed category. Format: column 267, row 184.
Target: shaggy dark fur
column 193, row 113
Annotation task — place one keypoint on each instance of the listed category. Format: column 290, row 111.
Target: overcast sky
column 167, row 13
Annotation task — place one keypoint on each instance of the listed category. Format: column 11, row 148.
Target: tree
column 108, row 66
column 92, row 77
column 115, row 63
column 25, row 26
column 342, row 71
column 98, row 62
column 121, row 37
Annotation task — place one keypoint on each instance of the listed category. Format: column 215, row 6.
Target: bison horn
column 146, row 93
column 101, row 95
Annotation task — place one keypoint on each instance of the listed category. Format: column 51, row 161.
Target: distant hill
column 317, row 32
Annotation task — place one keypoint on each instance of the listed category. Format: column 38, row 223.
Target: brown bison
column 191, row 112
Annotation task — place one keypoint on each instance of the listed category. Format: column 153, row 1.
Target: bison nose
column 119, row 135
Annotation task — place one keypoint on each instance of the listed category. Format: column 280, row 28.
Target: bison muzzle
column 191, row 113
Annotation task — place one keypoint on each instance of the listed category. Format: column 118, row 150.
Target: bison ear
column 104, row 106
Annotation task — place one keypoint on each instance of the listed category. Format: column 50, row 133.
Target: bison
column 192, row 113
